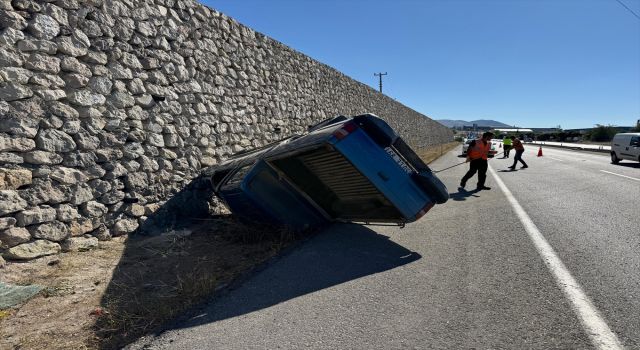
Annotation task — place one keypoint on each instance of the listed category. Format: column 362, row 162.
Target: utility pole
column 380, row 75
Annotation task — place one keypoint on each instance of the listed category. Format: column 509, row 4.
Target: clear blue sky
column 531, row 63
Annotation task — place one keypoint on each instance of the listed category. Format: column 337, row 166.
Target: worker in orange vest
column 478, row 155
column 517, row 145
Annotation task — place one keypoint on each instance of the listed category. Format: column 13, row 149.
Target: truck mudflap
column 429, row 183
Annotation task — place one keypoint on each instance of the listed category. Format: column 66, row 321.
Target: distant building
column 476, row 128
column 586, row 130
column 545, row 130
column 514, row 130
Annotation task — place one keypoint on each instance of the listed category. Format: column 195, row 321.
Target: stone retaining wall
column 110, row 107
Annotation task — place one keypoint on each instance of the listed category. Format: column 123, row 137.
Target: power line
column 628, row 9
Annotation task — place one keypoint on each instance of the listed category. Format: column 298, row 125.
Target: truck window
column 635, row 141
column 237, row 178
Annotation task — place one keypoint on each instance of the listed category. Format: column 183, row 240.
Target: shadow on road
column 341, row 253
column 462, row 194
column 177, row 259
column 629, row 165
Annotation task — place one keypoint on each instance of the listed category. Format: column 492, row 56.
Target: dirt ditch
column 126, row 288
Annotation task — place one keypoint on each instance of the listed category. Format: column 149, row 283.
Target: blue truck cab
column 348, row 169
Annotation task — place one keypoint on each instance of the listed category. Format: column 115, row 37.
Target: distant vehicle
column 493, row 151
column 347, row 169
column 625, row 146
column 465, row 147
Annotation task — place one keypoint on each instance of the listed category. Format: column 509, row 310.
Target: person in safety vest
column 506, row 143
column 478, row 155
column 517, row 145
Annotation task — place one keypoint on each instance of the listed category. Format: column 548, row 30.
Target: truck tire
column 614, row 158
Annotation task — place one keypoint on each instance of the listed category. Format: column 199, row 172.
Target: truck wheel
column 614, row 158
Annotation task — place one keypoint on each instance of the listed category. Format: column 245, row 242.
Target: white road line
column 594, row 325
column 628, row 177
column 559, row 160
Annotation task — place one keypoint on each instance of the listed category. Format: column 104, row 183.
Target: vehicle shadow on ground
column 182, row 256
column 462, row 194
column 629, row 165
column 340, row 253
column 178, row 258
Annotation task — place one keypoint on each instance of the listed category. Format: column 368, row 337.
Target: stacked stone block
column 109, row 107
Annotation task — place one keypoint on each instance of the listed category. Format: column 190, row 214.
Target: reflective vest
column 507, row 142
column 480, row 150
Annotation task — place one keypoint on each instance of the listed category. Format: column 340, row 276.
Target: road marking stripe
column 559, row 160
column 628, row 177
column 594, row 325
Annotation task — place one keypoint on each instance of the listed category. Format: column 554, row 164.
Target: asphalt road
column 474, row 273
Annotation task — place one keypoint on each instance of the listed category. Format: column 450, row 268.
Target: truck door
column 633, row 150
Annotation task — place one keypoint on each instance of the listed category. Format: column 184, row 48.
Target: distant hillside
column 453, row 123
column 481, row 122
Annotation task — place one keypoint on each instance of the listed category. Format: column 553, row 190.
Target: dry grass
column 160, row 277
column 125, row 289
column 59, row 318
column 432, row 153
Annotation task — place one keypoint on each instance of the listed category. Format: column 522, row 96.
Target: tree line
column 601, row 133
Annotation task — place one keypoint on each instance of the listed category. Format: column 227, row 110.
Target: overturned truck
column 346, row 169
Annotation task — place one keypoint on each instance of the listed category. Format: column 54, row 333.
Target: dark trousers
column 517, row 158
column 479, row 165
column 507, row 149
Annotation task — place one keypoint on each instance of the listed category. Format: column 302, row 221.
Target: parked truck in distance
column 345, row 169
